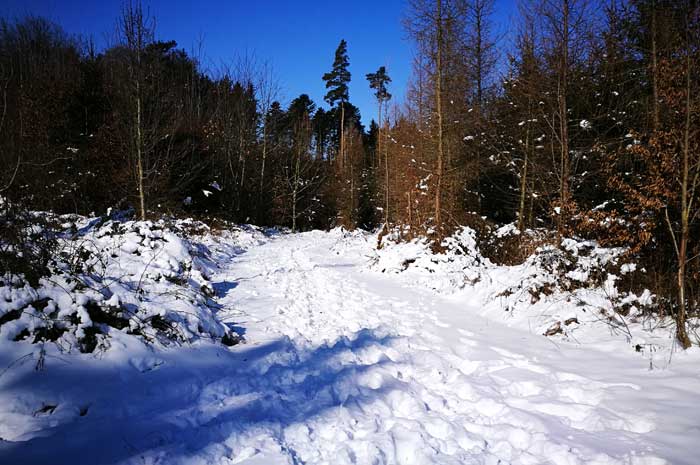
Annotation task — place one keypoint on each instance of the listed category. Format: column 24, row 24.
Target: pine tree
column 345, row 164
column 337, row 81
column 378, row 81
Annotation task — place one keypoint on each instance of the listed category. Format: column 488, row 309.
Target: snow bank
column 115, row 279
column 352, row 367
column 572, row 291
column 460, row 264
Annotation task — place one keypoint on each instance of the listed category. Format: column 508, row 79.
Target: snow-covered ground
column 345, row 363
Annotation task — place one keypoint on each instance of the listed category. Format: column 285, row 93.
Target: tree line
column 585, row 122
column 142, row 125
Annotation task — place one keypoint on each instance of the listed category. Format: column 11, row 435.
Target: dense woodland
column 585, row 122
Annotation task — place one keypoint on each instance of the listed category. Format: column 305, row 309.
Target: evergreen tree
column 378, row 81
column 338, row 78
column 337, row 84
column 349, row 155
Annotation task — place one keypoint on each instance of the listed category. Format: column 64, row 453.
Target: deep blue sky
column 298, row 38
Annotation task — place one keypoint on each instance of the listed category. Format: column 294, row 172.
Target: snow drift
column 570, row 291
column 142, row 279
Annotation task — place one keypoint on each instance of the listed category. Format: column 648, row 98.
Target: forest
column 500, row 264
column 586, row 124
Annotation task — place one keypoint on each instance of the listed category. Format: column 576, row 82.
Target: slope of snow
column 345, row 364
column 141, row 278
column 572, row 292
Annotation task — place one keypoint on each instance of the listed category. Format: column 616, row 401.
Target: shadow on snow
column 189, row 401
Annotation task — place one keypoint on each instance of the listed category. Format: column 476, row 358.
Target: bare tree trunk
column 654, row 68
column 342, row 133
column 386, row 169
column 421, row 93
column 438, row 109
column 264, row 158
column 261, row 206
column 409, row 209
column 241, row 165
column 479, row 92
column 352, row 193
column 351, row 167
column 523, row 181
column 531, row 212
column 681, row 331
column 13, row 175
column 139, row 153
column 295, row 190
column 386, row 181
column 479, row 55
column 564, row 192
column 136, row 34
column 379, row 134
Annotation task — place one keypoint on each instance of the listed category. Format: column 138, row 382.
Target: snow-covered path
column 415, row 378
column 349, row 366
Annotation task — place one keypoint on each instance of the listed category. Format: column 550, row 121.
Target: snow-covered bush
column 508, row 245
column 554, row 290
column 139, row 278
column 27, row 241
column 457, row 266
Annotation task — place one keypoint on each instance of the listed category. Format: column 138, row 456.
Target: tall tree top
column 338, row 78
column 378, row 82
column 300, row 106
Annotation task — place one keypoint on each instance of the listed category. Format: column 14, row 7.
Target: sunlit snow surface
column 347, row 363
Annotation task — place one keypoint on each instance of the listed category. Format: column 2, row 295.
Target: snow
column 357, row 356
column 134, row 272
column 507, row 229
column 628, row 268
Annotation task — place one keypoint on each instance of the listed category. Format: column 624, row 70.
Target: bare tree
column 438, row 29
column 524, row 92
column 567, row 26
column 480, row 50
column 137, row 32
column 268, row 90
column 690, row 162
